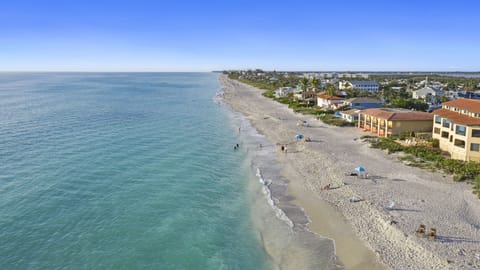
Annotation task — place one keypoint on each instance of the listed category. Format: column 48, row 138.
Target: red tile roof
column 398, row 115
column 471, row 105
column 457, row 118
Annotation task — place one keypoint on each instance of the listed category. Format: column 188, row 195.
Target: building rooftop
column 328, row 97
column 398, row 114
column 350, row 112
column 458, row 118
column 471, row 105
column 428, row 89
column 363, row 82
column 363, row 100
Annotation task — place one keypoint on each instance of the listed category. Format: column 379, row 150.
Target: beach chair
column 420, row 231
column 432, row 235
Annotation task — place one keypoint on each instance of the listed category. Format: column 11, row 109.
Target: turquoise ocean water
column 131, row 171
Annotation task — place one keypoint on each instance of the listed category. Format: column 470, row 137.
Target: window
column 475, row 147
column 436, row 130
column 460, row 130
column 476, row 133
column 451, row 138
column 438, row 119
column 459, row 143
column 446, row 123
column 445, row 134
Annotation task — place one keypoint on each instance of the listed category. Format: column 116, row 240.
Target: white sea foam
column 278, row 212
column 281, row 225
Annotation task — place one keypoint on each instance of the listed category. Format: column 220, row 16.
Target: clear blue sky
column 214, row 35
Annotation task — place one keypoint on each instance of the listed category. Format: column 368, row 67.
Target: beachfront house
column 392, row 121
column 457, row 127
column 424, row 92
column 362, row 86
column 283, row 91
column 361, row 103
column 428, row 94
column 298, row 93
column 328, row 102
column 350, row 115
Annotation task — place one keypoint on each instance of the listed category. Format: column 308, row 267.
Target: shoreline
column 367, row 236
column 281, row 225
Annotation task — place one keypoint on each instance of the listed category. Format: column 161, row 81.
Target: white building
column 363, row 86
column 283, row 91
column 426, row 92
column 350, row 115
column 329, row 102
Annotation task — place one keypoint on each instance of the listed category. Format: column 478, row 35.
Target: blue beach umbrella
column 360, row 169
column 298, row 137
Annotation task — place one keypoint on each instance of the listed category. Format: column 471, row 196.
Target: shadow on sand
column 454, row 239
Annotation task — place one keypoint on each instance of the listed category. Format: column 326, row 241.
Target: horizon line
column 216, row 71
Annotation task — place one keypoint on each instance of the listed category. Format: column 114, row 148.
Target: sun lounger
column 421, row 231
column 432, row 234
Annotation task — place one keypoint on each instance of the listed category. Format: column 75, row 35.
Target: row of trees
column 398, row 98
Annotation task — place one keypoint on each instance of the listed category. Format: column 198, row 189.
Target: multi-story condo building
column 363, row 86
column 386, row 122
column 457, row 126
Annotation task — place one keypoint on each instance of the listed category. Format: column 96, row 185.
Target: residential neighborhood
column 446, row 108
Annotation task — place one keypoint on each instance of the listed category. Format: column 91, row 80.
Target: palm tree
column 304, row 86
column 314, row 82
column 331, row 90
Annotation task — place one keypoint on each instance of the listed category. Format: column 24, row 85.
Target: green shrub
column 476, row 186
column 425, row 152
column 330, row 119
column 269, row 94
column 386, row 143
column 284, row 100
column 459, row 177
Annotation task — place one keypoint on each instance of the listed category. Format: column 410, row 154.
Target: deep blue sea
column 132, row 171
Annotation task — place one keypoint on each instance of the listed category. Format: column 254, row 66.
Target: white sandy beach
column 366, row 233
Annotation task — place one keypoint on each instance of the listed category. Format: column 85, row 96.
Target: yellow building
column 457, row 126
column 391, row 121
